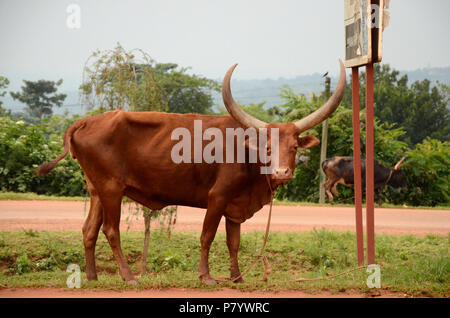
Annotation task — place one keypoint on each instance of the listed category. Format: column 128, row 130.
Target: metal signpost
column 363, row 20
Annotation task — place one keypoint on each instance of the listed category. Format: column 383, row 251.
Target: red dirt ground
column 178, row 293
column 69, row 216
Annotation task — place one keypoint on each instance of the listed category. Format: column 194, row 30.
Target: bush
column 427, row 171
column 23, row 264
column 23, row 147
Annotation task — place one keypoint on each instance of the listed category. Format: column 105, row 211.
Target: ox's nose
column 282, row 174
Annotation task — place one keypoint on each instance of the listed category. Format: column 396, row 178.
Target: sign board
column 358, row 41
column 363, row 22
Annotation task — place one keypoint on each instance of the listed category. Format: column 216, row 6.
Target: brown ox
column 128, row 154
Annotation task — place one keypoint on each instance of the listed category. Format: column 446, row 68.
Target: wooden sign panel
column 358, row 35
column 364, row 22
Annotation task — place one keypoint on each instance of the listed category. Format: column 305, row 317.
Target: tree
column 119, row 78
column 420, row 108
column 430, row 112
column 4, row 82
column 185, row 93
column 133, row 80
column 40, row 97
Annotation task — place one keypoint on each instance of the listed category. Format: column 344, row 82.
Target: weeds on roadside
column 173, row 262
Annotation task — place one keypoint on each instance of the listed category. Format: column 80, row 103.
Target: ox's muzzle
column 282, row 174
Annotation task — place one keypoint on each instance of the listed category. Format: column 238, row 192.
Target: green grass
column 39, row 259
column 34, row 196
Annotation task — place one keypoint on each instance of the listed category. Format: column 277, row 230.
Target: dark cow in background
column 340, row 170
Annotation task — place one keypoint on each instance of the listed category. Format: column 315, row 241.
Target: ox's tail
column 45, row 168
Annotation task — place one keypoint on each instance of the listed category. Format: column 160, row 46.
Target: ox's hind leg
column 334, row 189
column 233, row 240
column 327, row 185
column 210, row 224
column 111, row 203
column 91, row 228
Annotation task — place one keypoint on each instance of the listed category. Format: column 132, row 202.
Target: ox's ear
column 307, row 141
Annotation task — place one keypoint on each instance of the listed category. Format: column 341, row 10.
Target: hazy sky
column 269, row 39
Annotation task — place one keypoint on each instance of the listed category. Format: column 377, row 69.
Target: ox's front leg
column 233, row 239
column 210, row 224
column 377, row 194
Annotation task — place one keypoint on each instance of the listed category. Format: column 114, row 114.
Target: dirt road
column 60, row 216
column 180, row 293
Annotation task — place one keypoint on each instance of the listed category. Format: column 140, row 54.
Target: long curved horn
column 233, row 108
column 398, row 164
column 328, row 108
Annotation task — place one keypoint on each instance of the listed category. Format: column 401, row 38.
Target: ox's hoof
column 208, row 280
column 132, row 282
column 239, row 280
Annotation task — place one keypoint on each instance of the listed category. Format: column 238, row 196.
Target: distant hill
column 268, row 90
column 256, row 91
column 441, row 74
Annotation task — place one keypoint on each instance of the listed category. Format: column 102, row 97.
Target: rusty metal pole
column 357, row 167
column 370, row 217
column 323, row 144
